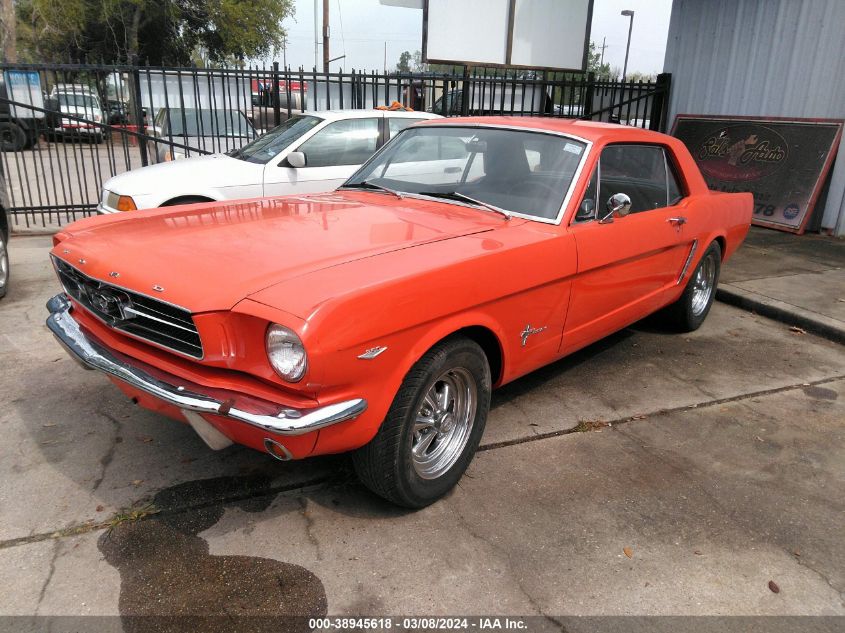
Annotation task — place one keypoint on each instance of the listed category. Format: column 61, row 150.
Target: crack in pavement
column 663, row 412
column 502, row 554
column 840, row 592
column 56, row 546
column 106, row 459
column 323, row 481
column 309, row 526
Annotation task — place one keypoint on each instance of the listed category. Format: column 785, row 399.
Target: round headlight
column 286, row 353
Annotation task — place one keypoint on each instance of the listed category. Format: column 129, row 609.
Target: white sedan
column 310, row 152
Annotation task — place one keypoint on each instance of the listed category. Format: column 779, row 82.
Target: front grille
column 146, row 318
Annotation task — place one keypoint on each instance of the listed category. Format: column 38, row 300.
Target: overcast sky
column 360, row 29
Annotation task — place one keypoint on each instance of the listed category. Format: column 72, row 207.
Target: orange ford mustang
column 377, row 318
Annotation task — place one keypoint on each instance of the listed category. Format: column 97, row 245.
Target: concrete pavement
column 714, row 465
column 799, row 280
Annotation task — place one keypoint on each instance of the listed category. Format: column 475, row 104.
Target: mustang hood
column 209, row 256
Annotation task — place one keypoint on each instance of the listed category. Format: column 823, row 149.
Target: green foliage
column 404, row 65
column 638, row 76
column 412, row 62
column 594, row 65
column 168, row 32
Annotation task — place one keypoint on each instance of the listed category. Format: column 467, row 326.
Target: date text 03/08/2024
column 418, row 623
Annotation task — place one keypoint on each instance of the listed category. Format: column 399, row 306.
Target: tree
column 404, row 65
column 7, row 31
column 640, row 76
column 169, row 32
column 594, row 65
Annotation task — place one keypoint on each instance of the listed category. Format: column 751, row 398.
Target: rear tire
column 433, row 427
column 4, row 263
column 12, row 137
column 689, row 311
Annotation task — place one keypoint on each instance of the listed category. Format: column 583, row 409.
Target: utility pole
column 316, row 42
column 385, row 58
column 325, row 36
column 603, row 46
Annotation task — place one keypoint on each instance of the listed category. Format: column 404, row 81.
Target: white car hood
column 213, row 171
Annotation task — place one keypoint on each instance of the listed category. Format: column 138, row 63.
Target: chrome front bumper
column 92, row 355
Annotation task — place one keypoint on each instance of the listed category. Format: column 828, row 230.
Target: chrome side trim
column 687, row 263
column 92, row 355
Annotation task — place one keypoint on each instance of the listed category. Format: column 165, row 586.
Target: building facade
column 782, row 58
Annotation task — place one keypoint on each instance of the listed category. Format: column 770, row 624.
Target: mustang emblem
column 111, row 304
column 371, row 353
column 528, row 331
column 106, row 303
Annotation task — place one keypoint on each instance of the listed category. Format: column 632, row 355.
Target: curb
column 812, row 322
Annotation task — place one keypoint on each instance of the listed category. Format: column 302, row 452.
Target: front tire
column 433, row 427
column 689, row 311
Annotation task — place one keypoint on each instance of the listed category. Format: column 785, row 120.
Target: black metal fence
column 66, row 129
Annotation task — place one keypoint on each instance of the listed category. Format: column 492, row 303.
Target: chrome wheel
column 703, row 284
column 4, row 264
column 443, row 423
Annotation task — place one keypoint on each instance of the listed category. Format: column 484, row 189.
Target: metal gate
column 66, row 129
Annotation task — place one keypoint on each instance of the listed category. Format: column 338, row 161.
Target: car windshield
column 265, row 147
column 528, row 173
column 193, row 122
column 79, row 101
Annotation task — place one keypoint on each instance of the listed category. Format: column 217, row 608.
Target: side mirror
column 296, row 160
column 618, row 204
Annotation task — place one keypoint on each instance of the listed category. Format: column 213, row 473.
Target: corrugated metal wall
column 762, row 58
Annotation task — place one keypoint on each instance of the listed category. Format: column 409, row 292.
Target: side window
column 349, row 142
column 587, row 209
column 397, row 124
column 636, row 170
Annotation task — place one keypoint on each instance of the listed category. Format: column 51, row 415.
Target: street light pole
column 630, row 14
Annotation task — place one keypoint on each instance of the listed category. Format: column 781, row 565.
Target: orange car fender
column 384, row 376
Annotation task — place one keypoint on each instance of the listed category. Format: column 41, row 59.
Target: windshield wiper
column 459, row 197
column 372, row 186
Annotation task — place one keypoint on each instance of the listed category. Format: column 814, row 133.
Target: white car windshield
column 516, row 171
column 79, row 101
column 265, row 147
column 192, row 122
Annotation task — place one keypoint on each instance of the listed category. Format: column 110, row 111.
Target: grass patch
column 129, row 515
column 587, row 426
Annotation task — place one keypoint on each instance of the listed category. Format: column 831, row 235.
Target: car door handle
column 678, row 220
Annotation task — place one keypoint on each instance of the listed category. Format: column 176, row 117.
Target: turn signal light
column 126, row 203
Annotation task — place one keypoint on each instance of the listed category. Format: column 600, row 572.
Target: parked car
column 76, row 113
column 205, row 130
column 377, row 318
column 315, row 151
column 19, row 125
